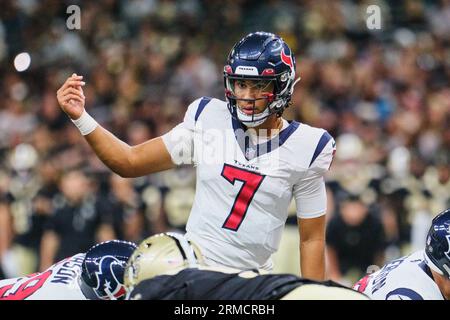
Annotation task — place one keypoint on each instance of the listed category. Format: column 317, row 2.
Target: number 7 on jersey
column 251, row 182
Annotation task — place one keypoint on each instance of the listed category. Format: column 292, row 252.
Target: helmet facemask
column 276, row 101
column 259, row 87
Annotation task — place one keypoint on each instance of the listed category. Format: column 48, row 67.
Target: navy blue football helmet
column 260, row 56
column 437, row 249
column 103, row 268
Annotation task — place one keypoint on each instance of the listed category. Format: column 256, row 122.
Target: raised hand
column 70, row 96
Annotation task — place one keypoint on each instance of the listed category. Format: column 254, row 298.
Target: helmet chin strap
column 250, row 121
column 254, row 123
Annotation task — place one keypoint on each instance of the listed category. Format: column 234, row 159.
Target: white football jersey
column 244, row 185
column 407, row 278
column 59, row 282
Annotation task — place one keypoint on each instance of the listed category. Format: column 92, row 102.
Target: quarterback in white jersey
column 423, row 275
column 250, row 161
column 245, row 180
column 241, row 200
column 71, row 278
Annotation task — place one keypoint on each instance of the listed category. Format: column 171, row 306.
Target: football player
column 95, row 275
column 167, row 266
column 423, row 275
column 250, row 161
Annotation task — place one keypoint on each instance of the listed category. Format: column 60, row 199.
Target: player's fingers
column 72, row 82
column 68, row 97
column 73, row 91
column 64, row 86
column 74, row 75
column 79, row 78
column 71, row 97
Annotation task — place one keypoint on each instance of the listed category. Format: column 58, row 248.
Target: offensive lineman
column 168, row 267
column 250, row 161
column 94, row 275
column 423, row 275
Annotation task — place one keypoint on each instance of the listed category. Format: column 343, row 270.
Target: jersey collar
column 252, row 151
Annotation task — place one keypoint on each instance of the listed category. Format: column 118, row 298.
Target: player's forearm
column 312, row 247
column 113, row 152
column 312, row 259
column 129, row 162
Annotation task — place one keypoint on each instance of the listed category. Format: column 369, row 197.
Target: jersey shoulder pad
column 317, row 147
column 323, row 151
column 196, row 109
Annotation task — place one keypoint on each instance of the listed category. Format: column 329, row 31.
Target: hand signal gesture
column 70, row 96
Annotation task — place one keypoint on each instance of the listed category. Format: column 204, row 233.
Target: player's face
column 251, row 90
column 443, row 283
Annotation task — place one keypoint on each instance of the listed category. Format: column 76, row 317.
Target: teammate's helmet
column 437, row 249
column 260, row 56
column 161, row 254
column 103, row 268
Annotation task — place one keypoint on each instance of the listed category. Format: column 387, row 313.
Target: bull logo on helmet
column 109, row 284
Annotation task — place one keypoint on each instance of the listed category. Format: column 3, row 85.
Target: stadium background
column 383, row 94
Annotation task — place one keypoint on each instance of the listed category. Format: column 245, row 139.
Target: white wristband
column 86, row 124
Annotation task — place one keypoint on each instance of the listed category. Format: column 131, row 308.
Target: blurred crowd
column 383, row 94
